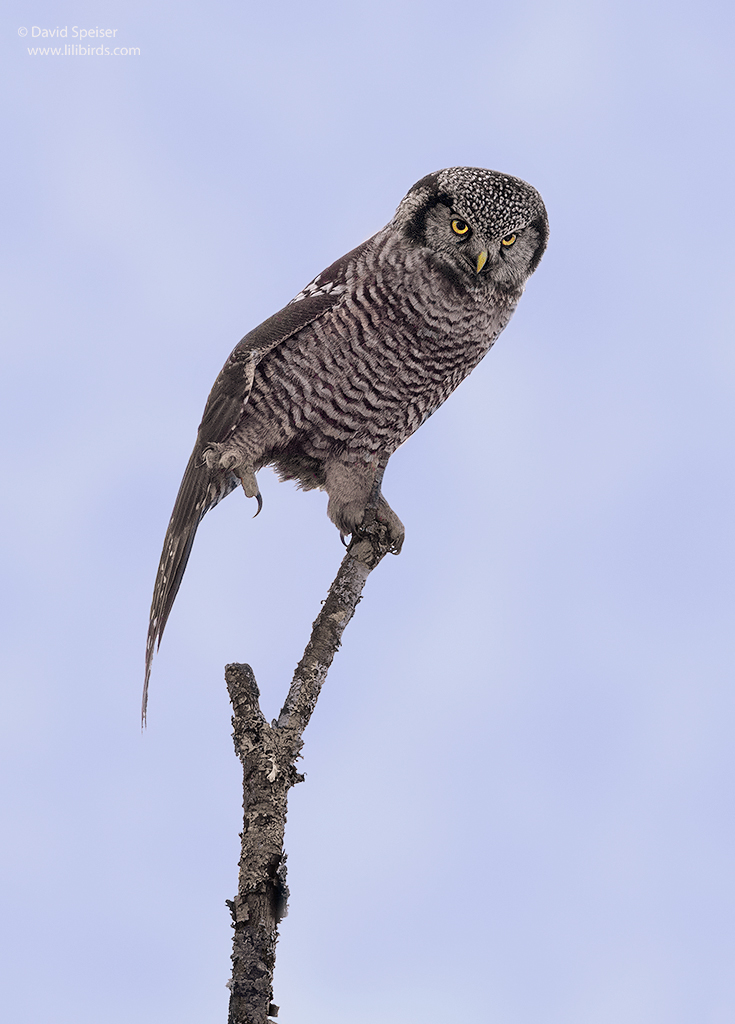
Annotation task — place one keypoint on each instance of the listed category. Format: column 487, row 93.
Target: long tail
column 201, row 489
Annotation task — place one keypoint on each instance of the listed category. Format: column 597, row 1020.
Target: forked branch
column 269, row 754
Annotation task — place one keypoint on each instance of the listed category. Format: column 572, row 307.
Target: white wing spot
column 318, row 287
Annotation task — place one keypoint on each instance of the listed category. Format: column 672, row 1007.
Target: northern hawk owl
column 328, row 388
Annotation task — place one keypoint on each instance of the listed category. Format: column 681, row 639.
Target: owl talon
column 259, row 498
column 343, row 537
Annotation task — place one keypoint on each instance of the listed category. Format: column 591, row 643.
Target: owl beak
column 481, row 260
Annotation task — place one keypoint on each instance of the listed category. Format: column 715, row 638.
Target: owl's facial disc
column 459, row 212
column 468, row 246
column 453, row 236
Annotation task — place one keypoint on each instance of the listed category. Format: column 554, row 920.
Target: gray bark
column 269, row 754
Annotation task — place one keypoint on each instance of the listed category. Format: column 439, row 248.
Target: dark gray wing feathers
column 201, row 490
column 230, row 392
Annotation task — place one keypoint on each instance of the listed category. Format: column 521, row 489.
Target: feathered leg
column 351, row 487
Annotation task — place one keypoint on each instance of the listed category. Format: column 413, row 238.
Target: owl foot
column 371, row 522
column 395, row 528
column 250, row 486
column 220, row 457
column 378, row 531
column 357, row 507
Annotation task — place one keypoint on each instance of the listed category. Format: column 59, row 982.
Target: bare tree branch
column 269, row 754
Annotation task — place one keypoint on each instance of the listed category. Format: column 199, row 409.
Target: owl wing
column 231, row 390
column 225, row 407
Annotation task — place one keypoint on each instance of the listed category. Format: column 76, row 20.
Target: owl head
column 482, row 227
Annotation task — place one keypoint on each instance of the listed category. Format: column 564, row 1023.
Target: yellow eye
column 460, row 227
column 508, row 240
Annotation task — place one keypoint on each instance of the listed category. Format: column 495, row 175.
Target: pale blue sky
column 520, row 788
